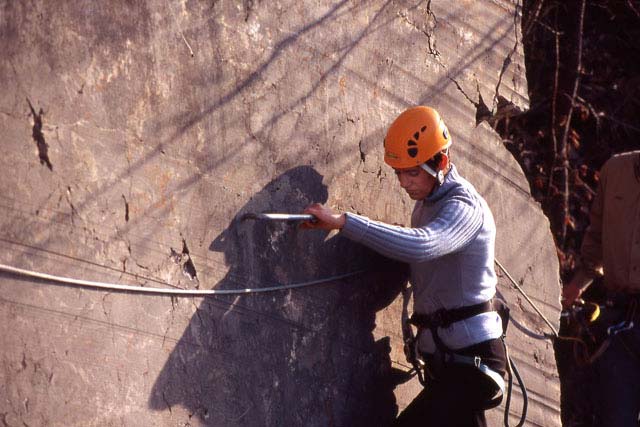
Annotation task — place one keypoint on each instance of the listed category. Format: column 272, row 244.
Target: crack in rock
column 74, row 212
column 501, row 107
column 166, row 402
column 427, row 31
column 454, row 81
column 248, row 8
column 126, row 210
column 504, row 107
column 482, row 111
column 174, row 302
column 184, row 260
column 507, row 61
column 38, row 136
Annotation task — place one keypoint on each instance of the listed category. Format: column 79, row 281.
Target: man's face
column 416, row 182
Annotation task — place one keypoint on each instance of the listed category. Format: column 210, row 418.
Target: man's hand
column 570, row 293
column 574, row 289
column 327, row 218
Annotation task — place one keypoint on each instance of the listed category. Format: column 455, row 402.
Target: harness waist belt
column 443, row 318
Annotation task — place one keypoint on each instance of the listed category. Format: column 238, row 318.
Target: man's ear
column 444, row 161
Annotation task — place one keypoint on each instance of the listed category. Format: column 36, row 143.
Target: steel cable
column 167, row 291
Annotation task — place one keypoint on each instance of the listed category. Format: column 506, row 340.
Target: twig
column 554, row 102
column 567, row 125
column 533, row 19
column 551, row 29
column 632, row 7
column 175, row 17
column 187, row 43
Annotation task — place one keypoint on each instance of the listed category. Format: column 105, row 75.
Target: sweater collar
column 450, row 180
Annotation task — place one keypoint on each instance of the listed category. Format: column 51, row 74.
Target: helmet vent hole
column 412, row 152
column 416, row 135
column 423, row 128
column 412, row 143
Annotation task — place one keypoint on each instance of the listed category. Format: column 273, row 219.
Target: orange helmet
column 415, row 137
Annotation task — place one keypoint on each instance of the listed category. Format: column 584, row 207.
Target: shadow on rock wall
column 299, row 357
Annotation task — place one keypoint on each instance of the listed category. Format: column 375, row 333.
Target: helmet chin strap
column 439, row 175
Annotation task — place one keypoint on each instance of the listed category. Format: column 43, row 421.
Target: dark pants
column 617, row 375
column 457, row 396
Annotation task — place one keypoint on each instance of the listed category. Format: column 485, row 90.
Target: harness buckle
column 477, row 361
column 411, row 353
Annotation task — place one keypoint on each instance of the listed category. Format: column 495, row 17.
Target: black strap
column 443, row 318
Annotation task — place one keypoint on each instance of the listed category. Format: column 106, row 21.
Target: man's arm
column 455, row 225
column 591, row 250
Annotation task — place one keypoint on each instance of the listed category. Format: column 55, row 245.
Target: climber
column 611, row 246
column 450, row 250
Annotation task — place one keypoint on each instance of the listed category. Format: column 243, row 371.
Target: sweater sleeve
column 453, row 227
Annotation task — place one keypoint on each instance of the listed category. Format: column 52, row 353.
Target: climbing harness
column 413, row 356
column 587, row 347
column 590, row 334
column 443, row 318
column 512, row 370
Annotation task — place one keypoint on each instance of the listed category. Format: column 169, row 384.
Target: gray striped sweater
column 450, row 249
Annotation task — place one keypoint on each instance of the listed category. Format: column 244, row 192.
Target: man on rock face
column 450, row 250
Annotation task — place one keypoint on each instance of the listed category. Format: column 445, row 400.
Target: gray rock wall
column 135, row 134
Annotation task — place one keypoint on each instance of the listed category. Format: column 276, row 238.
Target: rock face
column 135, row 135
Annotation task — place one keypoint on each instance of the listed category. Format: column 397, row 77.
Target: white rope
column 519, row 289
column 165, row 291
column 207, row 292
